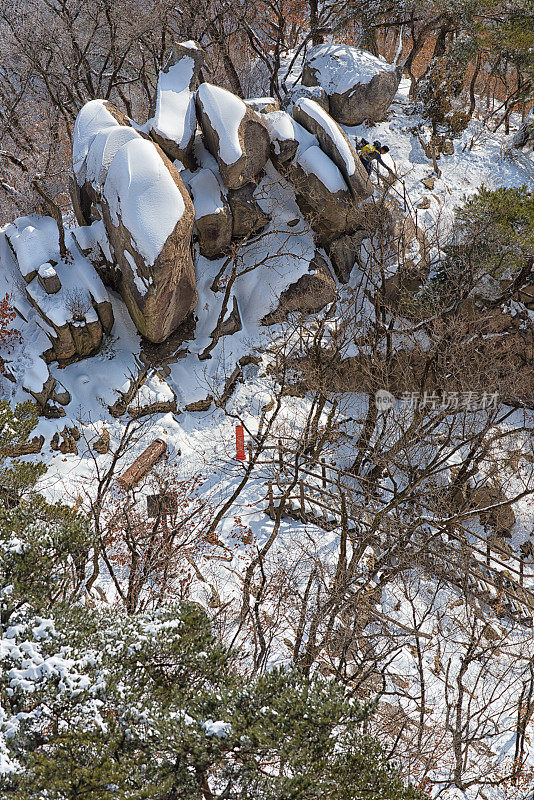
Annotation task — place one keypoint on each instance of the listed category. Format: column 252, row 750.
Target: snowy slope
column 204, row 441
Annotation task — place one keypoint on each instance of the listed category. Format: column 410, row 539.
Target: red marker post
column 240, row 443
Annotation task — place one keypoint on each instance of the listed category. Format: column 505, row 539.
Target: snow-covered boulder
column 213, row 218
column 147, row 213
column 174, row 123
column 321, row 193
column 359, row 86
column 149, row 220
column 234, row 133
column 335, row 144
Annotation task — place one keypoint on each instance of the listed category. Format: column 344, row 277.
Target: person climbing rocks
column 374, row 152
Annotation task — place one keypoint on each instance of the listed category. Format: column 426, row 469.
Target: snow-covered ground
column 423, row 671
column 481, row 158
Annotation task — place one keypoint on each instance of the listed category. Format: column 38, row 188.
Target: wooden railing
column 322, row 493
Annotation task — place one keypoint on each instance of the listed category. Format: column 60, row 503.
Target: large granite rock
column 335, row 143
column 234, row 133
column 147, row 214
column 213, row 218
column 174, row 123
column 308, row 295
column 321, row 194
column 359, row 86
column 248, row 218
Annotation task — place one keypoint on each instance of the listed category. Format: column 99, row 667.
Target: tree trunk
column 314, row 23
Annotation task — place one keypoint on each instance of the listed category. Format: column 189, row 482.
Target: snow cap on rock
column 338, row 67
column 225, row 112
column 359, row 85
column 140, row 190
column 174, row 123
column 234, row 134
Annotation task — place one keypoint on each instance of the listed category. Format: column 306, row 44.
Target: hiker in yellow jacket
column 374, row 152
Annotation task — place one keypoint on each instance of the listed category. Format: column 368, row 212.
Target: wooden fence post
column 302, row 512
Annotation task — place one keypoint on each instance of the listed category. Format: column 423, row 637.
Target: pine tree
column 43, row 546
column 492, row 241
column 151, row 706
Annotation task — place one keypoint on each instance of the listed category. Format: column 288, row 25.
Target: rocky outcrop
column 147, row 214
column 335, row 143
column 322, row 194
column 213, row 218
column 174, row 123
column 234, row 134
column 69, row 297
column 359, row 86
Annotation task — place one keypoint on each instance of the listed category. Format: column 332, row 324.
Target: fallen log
column 142, row 464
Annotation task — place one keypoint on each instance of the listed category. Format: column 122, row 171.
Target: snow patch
column 314, row 161
column 225, row 112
